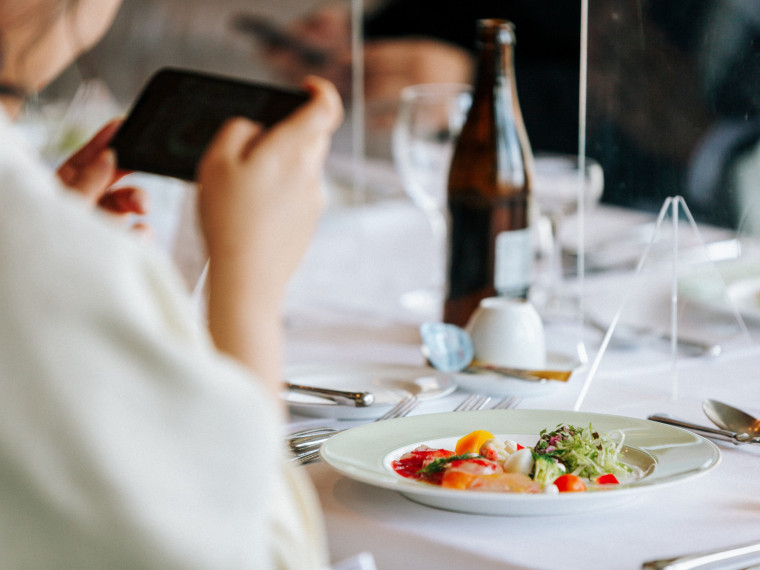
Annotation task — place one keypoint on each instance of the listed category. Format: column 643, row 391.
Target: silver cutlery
column 732, row 419
column 703, row 559
column 343, row 397
column 299, row 442
column 519, row 373
column 479, row 402
column 472, row 402
column 506, row 403
column 306, row 448
column 305, row 432
column 714, row 433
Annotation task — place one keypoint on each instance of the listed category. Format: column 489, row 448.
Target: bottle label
column 513, row 269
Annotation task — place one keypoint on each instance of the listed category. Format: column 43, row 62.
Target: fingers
column 325, row 109
column 316, row 119
column 92, row 178
column 68, row 172
column 128, row 200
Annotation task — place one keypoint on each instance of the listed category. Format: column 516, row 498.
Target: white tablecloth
column 344, row 308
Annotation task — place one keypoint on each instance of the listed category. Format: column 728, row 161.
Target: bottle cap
column 499, row 30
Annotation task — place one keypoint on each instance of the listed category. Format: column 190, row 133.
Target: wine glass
column 429, row 119
column 556, row 194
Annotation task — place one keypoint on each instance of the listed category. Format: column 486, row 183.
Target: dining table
column 344, row 309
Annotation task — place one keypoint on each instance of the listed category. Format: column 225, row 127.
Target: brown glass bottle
column 489, row 185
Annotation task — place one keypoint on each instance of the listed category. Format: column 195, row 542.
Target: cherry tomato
column 569, row 483
column 607, row 479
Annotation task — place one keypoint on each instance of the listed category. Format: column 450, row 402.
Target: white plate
column 388, row 383
column 500, row 385
column 665, row 455
column 727, row 284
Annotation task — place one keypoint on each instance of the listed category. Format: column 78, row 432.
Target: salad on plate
column 564, row 459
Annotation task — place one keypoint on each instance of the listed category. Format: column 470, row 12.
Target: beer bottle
column 489, row 185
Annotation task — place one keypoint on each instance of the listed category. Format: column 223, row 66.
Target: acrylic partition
column 673, row 117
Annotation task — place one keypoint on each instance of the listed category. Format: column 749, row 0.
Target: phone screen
column 179, row 111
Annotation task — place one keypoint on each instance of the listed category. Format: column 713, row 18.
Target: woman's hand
column 260, row 199
column 92, row 172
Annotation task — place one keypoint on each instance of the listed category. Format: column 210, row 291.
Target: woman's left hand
column 92, row 172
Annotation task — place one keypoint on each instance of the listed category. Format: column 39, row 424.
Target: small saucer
column 501, row 385
column 389, row 383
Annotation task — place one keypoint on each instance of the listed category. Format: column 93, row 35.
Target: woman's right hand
column 260, row 199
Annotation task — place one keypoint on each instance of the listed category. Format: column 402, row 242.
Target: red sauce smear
column 409, row 464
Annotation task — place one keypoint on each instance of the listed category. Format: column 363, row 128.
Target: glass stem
column 439, row 229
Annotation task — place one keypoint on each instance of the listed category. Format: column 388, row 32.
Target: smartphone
column 272, row 35
column 179, row 111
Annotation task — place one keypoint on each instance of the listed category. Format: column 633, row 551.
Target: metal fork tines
column 479, row 402
column 472, row 402
column 507, row 403
column 306, row 448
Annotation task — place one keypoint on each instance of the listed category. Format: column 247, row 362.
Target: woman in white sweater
column 129, row 436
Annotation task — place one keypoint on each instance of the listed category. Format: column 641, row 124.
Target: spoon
column 732, row 419
column 449, row 348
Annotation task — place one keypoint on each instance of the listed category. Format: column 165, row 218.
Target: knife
column 520, row 373
column 346, row 398
column 704, row 559
column 721, row 434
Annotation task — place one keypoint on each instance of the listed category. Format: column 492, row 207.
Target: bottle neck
column 495, row 58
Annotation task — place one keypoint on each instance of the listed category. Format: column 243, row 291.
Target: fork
column 307, row 439
column 472, row 402
column 306, row 448
column 479, row 401
column 507, row 403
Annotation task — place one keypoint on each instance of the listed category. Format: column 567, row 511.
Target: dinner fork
column 472, row 402
column 506, row 403
column 306, row 448
column 479, row 401
column 314, row 437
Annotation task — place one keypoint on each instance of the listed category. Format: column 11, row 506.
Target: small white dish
column 501, row 385
column 389, row 384
column 662, row 454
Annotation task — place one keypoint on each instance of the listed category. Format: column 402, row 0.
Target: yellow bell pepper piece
column 472, row 442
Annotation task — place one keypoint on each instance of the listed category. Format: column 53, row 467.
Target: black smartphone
column 179, row 111
column 272, row 35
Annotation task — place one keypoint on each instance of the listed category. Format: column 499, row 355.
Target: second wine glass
column 429, row 119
